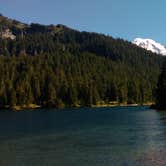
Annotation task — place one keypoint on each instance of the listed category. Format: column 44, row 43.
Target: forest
column 160, row 94
column 56, row 66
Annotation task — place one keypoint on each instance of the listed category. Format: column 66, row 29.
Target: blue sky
column 126, row 19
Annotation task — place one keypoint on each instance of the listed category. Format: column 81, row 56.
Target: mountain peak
column 150, row 45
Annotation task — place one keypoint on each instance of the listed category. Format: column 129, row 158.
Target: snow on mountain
column 150, row 45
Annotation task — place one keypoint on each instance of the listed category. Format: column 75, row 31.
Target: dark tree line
column 161, row 90
column 64, row 79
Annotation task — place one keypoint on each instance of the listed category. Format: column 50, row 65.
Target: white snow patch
column 150, row 45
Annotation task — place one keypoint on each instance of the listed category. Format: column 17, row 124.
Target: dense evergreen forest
column 161, row 90
column 58, row 66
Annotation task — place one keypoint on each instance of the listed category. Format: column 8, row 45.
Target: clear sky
column 126, row 19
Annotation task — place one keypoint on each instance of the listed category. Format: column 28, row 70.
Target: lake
column 118, row 136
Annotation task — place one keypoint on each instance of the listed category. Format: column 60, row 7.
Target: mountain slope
column 150, row 45
column 59, row 66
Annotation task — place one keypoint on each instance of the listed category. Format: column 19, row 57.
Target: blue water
column 120, row 136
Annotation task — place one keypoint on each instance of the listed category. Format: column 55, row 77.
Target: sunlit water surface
column 127, row 136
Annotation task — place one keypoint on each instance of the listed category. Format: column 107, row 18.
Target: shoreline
column 18, row 108
column 120, row 105
column 23, row 107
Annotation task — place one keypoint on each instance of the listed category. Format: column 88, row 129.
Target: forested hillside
column 161, row 90
column 58, row 66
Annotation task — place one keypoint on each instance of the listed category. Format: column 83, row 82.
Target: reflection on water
column 100, row 137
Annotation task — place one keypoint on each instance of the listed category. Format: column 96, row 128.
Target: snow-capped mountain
column 150, row 45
